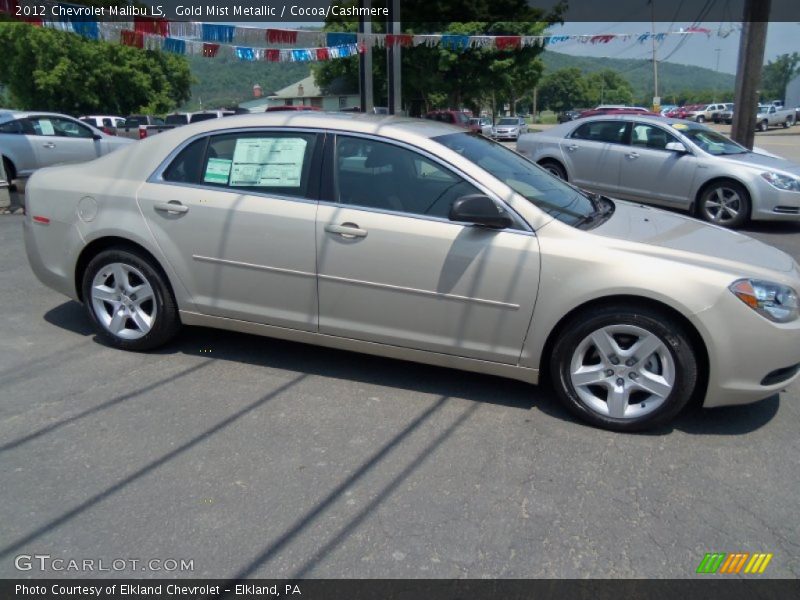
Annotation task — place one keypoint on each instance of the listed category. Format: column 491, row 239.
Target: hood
column 768, row 163
column 678, row 237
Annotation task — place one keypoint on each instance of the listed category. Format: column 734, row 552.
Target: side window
column 187, row 166
column 58, row 127
column 277, row 163
column 11, row 127
column 375, row 174
column 649, row 136
column 612, row 132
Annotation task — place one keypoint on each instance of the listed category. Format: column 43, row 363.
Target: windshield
column 552, row 195
column 474, row 121
column 709, row 140
column 508, row 122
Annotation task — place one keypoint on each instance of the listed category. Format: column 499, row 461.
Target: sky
column 698, row 49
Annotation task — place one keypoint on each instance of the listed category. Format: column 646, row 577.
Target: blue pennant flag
column 174, row 45
column 218, row 33
column 340, row 39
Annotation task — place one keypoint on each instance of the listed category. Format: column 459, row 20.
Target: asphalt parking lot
column 257, row 457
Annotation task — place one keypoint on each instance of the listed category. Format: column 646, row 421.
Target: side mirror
column 97, row 137
column 480, row 210
column 676, row 147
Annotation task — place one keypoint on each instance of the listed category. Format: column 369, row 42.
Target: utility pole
column 365, row 62
column 748, row 74
column 394, row 61
column 656, row 99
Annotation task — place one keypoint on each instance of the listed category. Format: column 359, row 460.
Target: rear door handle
column 173, row 206
column 632, row 155
column 347, row 230
column 49, row 145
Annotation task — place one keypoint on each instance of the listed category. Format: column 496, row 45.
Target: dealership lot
column 256, row 457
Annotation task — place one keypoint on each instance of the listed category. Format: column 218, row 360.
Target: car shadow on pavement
column 774, row 227
column 341, row 364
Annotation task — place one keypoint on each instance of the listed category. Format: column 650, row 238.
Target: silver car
column 416, row 240
column 669, row 162
column 31, row 140
column 509, row 128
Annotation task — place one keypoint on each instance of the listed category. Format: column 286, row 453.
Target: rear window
column 176, row 120
column 196, row 118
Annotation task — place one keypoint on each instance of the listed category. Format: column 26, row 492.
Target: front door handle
column 49, row 145
column 572, row 147
column 347, row 230
column 173, row 206
column 632, row 155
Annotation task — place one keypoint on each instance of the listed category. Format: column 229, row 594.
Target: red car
column 627, row 110
column 454, row 117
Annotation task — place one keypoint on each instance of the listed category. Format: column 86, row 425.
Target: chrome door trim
column 410, row 290
column 245, row 265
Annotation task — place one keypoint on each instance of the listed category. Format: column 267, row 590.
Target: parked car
column 726, row 116
column 139, row 127
column 509, row 128
column 178, row 118
column 289, row 107
column 105, row 123
column 705, row 112
column 210, row 114
column 482, row 125
column 723, row 114
column 570, row 115
column 770, row 116
column 671, row 163
column 431, row 245
column 453, row 117
column 616, row 110
column 31, row 140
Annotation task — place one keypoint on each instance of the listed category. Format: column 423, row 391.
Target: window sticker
column 268, row 162
column 46, row 127
column 680, row 126
column 217, row 171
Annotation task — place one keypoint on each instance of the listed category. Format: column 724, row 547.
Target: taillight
column 142, row 133
column 109, row 131
column 42, row 220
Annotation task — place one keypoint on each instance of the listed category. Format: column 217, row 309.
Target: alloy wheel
column 722, row 205
column 622, row 371
column 123, row 301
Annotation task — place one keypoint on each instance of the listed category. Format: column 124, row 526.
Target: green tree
column 45, row 69
column 608, row 87
column 438, row 77
column 777, row 74
column 564, row 89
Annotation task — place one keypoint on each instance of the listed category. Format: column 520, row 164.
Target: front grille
column 787, row 210
column 780, row 375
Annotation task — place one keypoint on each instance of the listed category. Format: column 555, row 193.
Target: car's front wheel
column 129, row 301
column 763, row 125
column 701, row 119
column 554, row 169
column 725, row 203
column 624, row 368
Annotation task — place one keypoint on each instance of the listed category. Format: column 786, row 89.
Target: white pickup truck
column 771, row 116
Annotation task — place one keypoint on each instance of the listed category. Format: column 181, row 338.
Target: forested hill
column 672, row 77
column 227, row 81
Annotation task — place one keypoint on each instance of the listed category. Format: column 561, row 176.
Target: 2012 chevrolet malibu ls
column 416, row 240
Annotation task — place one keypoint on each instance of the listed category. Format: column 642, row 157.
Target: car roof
column 10, row 115
column 354, row 122
column 656, row 120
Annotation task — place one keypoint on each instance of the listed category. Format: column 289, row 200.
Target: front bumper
column 750, row 358
column 506, row 135
column 772, row 204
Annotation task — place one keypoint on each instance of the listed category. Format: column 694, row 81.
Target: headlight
column 782, row 182
column 774, row 301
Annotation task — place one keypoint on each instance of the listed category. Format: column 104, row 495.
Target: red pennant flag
column 508, row 42
column 281, row 36
column 151, row 26
column 131, row 38
column 272, row 55
column 323, row 54
column 210, row 50
column 404, row 40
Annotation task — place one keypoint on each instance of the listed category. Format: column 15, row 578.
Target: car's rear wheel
column 725, row 203
column 11, row 172
column 624, row 368
column 788, row 123
column 554, row 168
column 129, row 301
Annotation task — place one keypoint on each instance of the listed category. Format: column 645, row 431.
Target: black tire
column 742, row 208
column 788, row 123
column 670, row 332
column 11, row 172
column 166, row 322
column 555, row 168
column 701, row 119
column 763, row 125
